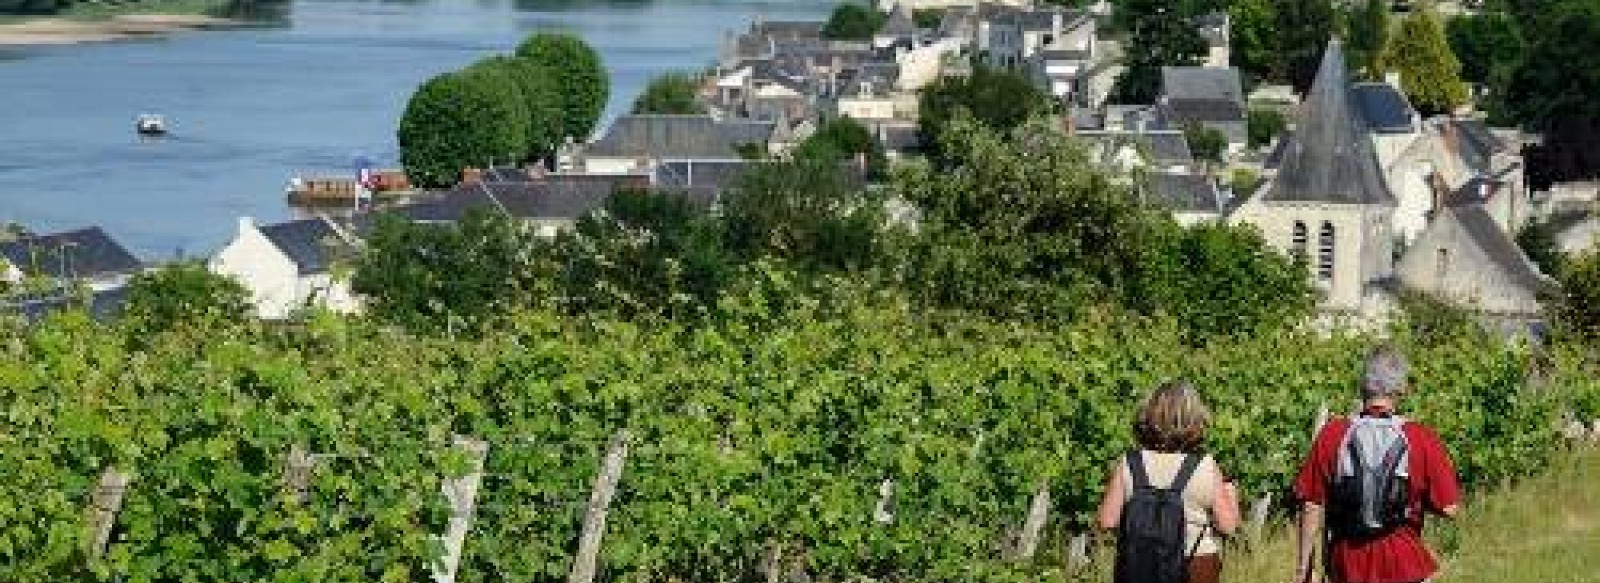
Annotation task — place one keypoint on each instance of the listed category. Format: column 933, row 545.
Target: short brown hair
column 1173, row 419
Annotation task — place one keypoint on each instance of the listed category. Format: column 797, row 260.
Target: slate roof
column 900, row 23
column 1329, row 158
column 449, row 206
column 1164, row 147
column 678, row 136
column 1203, row 94
column 1384, row 108
column 684, row 174
column 309, row 243
column 1184, row 192
column 1472, row 141
column 1065, row 55
column 87, row 252
column 1498, row 246
column 788, row 28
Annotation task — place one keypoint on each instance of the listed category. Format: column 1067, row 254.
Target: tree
column 452, row 277
column 542, row 102
column 1208, row 144
column 1538, row 241
column 1254, row 38
column 851, row 21
column 672, row 93
column 580, row 78
column 1264, row 125
column 183, row 294
column 460, row 120
column 1160, row 37
column 1368, row 32
column 1220, row 280
column 646, row 255
column 1575, row 310
column 1429, row 73
column 1488, row 44
column 1551, row 92
column 808, row 210
column 996, row 98
column 928, row 18
column 500, row 78
column 841, row 140
column 1303, row 28
column 1022, row 224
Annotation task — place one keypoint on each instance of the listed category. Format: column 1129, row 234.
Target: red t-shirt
column 1399, row 556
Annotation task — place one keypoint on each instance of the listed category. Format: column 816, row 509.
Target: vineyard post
column 1258, row 514
column 1322, row 419
column 297, row 474
column 1078, row 551
column 883, row 513
column 103, row 507
column 594, row 520
column 461, row 494
column 1033, row 525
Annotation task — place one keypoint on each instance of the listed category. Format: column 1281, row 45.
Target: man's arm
column 1310, row 535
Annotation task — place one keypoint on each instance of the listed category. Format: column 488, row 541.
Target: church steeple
column 1329, row 157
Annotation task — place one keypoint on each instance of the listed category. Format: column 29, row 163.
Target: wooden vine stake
column 594, row 519
column 103, row 507
column 462, row 494
column 1322, row 419
column 1033, row 525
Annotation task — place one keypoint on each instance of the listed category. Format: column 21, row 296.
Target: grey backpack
column 1371, row 490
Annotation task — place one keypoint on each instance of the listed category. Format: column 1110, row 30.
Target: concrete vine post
column 104, row 505
column 883, row 513
column 297, row 473
column 461, row 494
column 594, row 519
column 1033, row 525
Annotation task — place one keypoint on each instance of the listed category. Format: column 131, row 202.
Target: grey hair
column 1384, row 374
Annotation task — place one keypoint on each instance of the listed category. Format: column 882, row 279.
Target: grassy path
column 1543, row 530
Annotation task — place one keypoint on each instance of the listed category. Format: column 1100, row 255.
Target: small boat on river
column 149, row 124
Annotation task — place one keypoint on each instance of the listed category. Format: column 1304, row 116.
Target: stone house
column 1465, row 257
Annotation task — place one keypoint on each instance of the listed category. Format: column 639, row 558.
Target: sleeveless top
column 1198, row 496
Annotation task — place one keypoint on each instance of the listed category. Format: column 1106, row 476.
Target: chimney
column 471, row 175
column 246, row 224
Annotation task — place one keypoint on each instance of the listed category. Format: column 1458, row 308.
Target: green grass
column 1544, row 529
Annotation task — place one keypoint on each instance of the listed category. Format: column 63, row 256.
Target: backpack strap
column 1141, row 478
column 1190, row 463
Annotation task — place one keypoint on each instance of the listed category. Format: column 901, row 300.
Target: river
column 249, row 108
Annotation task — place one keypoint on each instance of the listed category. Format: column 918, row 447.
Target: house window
column 1297, row 244
column 1325, row 252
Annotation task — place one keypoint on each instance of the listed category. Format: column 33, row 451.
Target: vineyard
column 858, row 443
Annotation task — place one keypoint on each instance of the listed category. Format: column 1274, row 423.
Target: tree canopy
column 672, row 93
column 1161, row 34
column 460, row 120
column 1429, row 72
column 1367, row 32
column 1487, row 44
column 181, row 295
column 842, row 139
column 852, row 21
column 997, row 98
column 580, row 78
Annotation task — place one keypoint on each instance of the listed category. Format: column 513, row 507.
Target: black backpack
column 1150, row 536
column 1375, row 497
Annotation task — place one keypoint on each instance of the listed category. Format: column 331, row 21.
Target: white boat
column 149, row 124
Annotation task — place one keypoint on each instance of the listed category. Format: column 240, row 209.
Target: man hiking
column 1369, row 480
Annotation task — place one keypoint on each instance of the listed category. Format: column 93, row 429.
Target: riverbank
column 86, row 23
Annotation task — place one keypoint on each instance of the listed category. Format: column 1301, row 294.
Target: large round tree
column 460, row 120
column 580, row 78
column 539, row 99
column 1429, row 72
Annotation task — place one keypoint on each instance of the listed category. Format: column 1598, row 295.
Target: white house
column 289, row 266
column 1465, row 258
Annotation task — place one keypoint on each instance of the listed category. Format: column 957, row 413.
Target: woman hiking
column 1168, row 501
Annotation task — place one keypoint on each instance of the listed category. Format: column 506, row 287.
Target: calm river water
column 249, row 108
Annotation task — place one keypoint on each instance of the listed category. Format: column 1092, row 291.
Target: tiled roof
column 684, row 174
column 88, row 252
column 1498, row 246
column 678, row 136
column 1203, row 93
column 1329, row 158
column 449, row 206
column 1164, row 147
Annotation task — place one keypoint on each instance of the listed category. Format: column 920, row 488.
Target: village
column 1375, row 196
